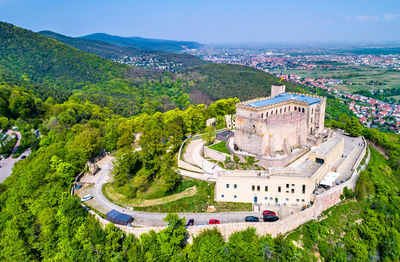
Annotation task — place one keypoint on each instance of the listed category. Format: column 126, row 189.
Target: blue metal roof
column 285, row 97
column 120, row 216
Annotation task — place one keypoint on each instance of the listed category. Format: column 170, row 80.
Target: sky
column 214, row 21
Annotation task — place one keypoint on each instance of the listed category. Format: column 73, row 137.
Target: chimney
column 277, row 89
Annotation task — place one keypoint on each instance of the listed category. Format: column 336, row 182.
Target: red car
column 213, row 222
column 269, row 213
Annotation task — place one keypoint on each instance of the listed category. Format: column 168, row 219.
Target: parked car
column 251, row 219
column 270, row 218
column 269, row 213
column 190, row 222
column 86, row 198
column 213, row 222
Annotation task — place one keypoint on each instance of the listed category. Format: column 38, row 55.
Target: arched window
column 289, row 109
column 276, row 112
column 295, row 108
column 272, row 112
column 266, row 115
column 299, row 109
column 262, row 114
column 281, row 111
column 284, row 109
column 302, row 110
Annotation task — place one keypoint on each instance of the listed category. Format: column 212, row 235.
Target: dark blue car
column 251, row 219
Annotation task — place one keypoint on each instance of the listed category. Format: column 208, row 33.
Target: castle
column 279, row 123
column 285, row 134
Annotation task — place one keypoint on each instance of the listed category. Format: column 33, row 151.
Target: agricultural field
column 354, row 78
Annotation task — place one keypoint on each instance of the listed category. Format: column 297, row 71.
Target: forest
column 40, row 220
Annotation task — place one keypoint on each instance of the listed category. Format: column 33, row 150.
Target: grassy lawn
column 221, row 147
column 194, row 203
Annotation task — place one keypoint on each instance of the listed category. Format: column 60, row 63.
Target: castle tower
column 277, row 89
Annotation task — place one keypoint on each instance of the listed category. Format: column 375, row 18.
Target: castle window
column 295, row 108
column 302, row 110
column 281, row 111
column 299, row 109
column 289, row 108
column 272, row 112
column 258, row 188
column 253, row 187
column 222, row 196
column 287, row 199
column 297, row 200
column 302, row 200
column 304, row 189
column 279, row 189
column 234, row 186
column 227, row 185
column 287, row 185
column 276, row 112
column 266, row 188
column 284, row 110
column 235, row 196
column 266, row 114
column 262, row 114
column 292, row 190
column 265, row 198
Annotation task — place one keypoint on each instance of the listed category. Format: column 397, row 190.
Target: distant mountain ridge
column 115, row 52
column 144, row 43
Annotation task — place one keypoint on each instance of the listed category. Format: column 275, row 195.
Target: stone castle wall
column 277, row 133
column 322, row 202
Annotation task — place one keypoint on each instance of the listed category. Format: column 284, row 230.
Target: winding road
column 155, row 219
column 8, row 163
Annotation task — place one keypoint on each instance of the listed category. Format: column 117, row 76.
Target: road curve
column 156, row 219
column 8, row 163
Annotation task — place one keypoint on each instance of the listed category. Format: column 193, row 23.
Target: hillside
column 49, row 66
column 111, row 51
column 215, row 81
column 144, row 43
column 36, row 58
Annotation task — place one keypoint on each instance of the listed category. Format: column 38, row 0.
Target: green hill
column 215, row 81
column 111, row 51
column 144, row 43
column 49, row 66
column 33, row 57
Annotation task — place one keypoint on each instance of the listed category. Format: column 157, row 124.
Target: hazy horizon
column 216, row 23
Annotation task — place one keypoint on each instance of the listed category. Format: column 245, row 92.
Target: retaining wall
column 322, row 202
column 214, row 154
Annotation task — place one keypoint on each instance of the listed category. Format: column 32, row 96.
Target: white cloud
column 391, row 16
column 366, row 18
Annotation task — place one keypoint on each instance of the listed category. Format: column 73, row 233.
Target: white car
column 86, row 198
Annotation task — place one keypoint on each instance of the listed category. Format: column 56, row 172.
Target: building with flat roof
column 292, row 185
column 279, row 123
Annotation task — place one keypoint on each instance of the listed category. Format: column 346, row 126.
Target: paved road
column 155, row 219
column 8, row 163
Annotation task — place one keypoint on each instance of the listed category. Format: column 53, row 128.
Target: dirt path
column 191, row 191
column 379, row 149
